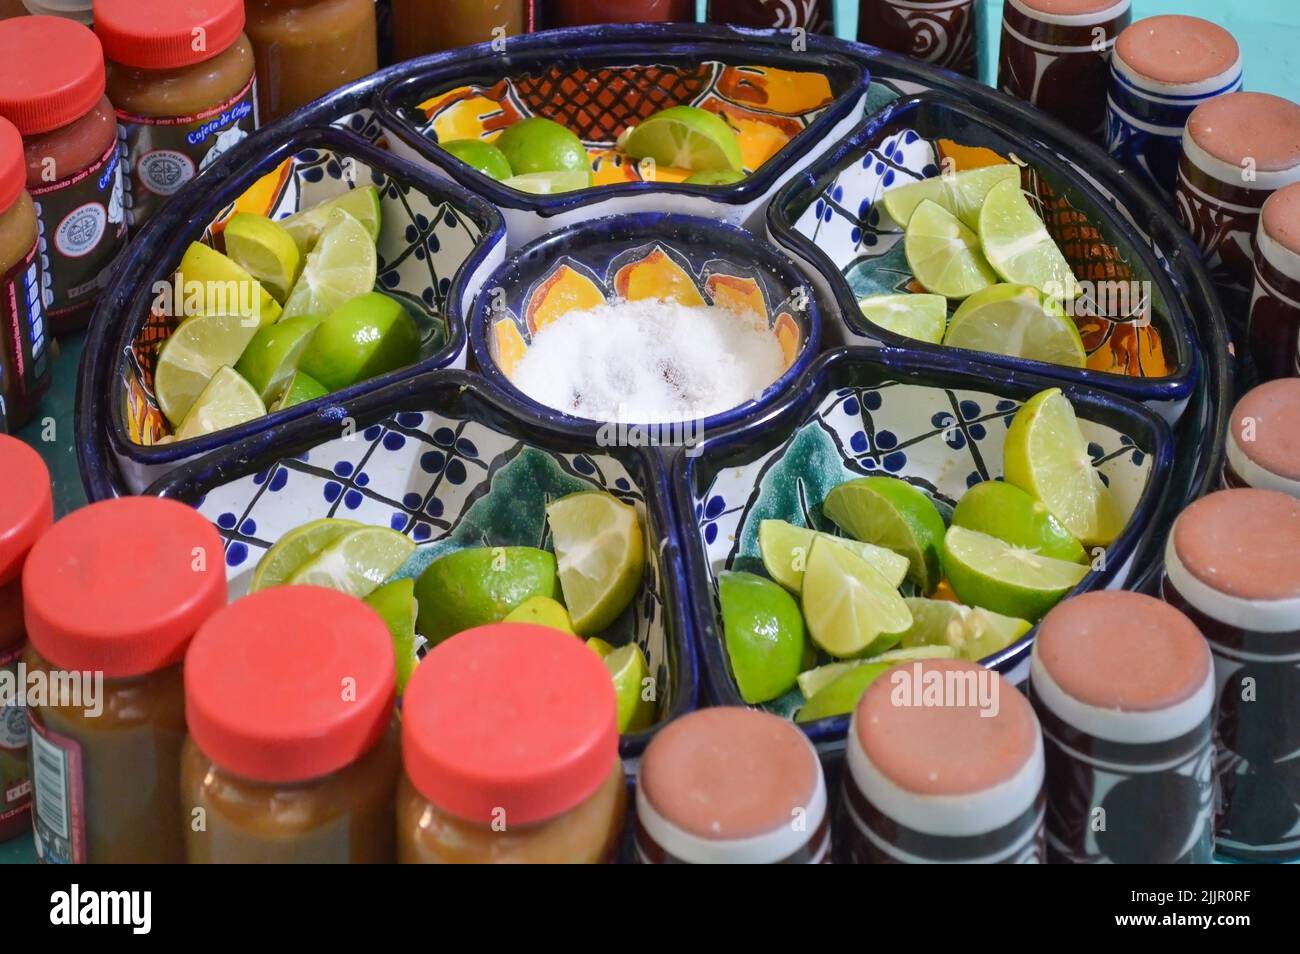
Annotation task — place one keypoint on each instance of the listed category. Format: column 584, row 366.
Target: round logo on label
column 13, row 727
column 81, row 230
column 164, row 171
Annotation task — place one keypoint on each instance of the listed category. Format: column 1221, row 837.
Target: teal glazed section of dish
column 442, row 460
column 938, row 423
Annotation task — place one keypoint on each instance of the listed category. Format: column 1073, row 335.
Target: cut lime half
column 295, row 548
column 342, row 266
column 999, row 576
column 600, row 556
column 891, row 513
column 961, row 193
column 357, row 563
column 1018, row 246
column 945, row 255
column 850, row 609
column 1018, row 321
column 227, row 401
column 784, row 548
column 921, row 317
column 361, row 203
column 686, row 137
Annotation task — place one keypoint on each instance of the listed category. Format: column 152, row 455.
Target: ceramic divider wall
column 937, row 421
column 787, row 104
column 442, row 458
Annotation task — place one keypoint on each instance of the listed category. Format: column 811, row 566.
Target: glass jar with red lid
column 69, row 132
column 112, row 595
column 26, row 511
column 181, row 75
column 293, row 754
column 24, row 357
column 510, row 749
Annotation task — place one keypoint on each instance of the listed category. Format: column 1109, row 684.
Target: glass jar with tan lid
column 26, row 511
column 307, row 48
column 420, row 27
column 293, row 754
column 112, row 595
column 181, row 76
column 24, row 363
column 69, row 131
column 730, row 785
column 510, row 748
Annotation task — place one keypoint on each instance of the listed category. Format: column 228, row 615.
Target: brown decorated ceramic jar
column 943, row 33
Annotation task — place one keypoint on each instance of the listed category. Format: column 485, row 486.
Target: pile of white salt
column 649, row 362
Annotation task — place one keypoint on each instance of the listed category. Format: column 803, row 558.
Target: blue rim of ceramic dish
column 573, row 238
column 616, row 44
column 1201, row 433
column 477, row 400
column 1139, row 540
column 804, row 189
column 151, row 256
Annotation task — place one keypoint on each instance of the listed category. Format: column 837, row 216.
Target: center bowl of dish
column 645, row 271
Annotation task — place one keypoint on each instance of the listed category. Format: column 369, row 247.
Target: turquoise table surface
column 1268, row 31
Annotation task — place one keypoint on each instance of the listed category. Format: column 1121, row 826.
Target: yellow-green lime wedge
column 1046, row 455
column 893, row 514
column 784, row 548
column 550, row 183
column 192, row 355
column 600, row 552
column 921, row 317
column 764, row 635
column 999, row 576
column 227, row 401
column 1005, row 511
column 295, row 548
column 968, row 632
column 945, row 255
column 271, row 358
column 396, row 606
column 265, row 250
column 633, row 689
column 341, row 266
column 840, row 696
column 961, row 193
column 361, row 203
column 480, row 585
column 1018, row 321
column 480, row 155
column 542, row 611
column 210, row 283
column 686, row 137
column 1018, row 246
column 850, row 609
column 357, row 563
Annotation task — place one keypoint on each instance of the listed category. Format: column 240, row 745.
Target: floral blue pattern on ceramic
column 439, row 459
column 436, row 245
column 646, row 255
column 787, row 107
column 937, row 421
column 1134, row 328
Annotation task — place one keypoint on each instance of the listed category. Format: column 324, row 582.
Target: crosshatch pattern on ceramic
column 1137, row 330
column 448, row 483
column 940, row 439
column 423, row 241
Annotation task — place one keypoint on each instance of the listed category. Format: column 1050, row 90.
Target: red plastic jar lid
column 290, row 684
column 167, row 34
column 40, row 91
column 13, row 165
column 121, row 586
column 512, row 718
column 26, row 505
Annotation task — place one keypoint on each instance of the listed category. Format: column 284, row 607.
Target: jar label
column 58, row 798
column 15, row 786
column 24, row 363
column 83, row 228
column 164, row 153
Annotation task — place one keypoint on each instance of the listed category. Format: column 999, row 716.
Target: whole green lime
column 764, row 633
column 483, row 156
column 483, row 585
column 542, row 145
column 368, row 336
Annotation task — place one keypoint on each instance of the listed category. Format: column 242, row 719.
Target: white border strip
column 1158, row 90
column 1230, row 174
column 1255, row 475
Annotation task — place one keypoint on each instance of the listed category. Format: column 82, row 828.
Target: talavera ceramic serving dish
column 1135, row 329
column 442, row 458
column 786, row 105
column 937, row 421
column 680, row 258
column 436, row 245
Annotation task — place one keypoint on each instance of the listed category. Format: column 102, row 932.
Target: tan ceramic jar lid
column 1176, row 49
column 1243, row 543
column 1256, row 126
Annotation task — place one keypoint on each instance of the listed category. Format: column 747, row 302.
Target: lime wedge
column 1017, row 245
column 271, row 358
column 265, row 250
column 362, row 204
column 840, row 696
column 192, row 355
column 1047, row 456
column 396, row 606
column 1018, row 321
column 227, row 401
column 999, row 576
column 921, row 317
column 542, row 145
column 542, row 611
column 944, row 255
column 550, row 183
column 600, row 553
column 815, row 680
column 961, row 193
column 357, row 563
column 893, row 514
column 302, row 388
column 764, row 634
column 1005, row 511
column 628, row 668
column 685, row 137
column 967, row 632
column 472, row 587
column 715, row 177
column 210, row 283
column 295, row 548
column 599, row 647
column 480, row 155
column 369, row 335
column 342, row 266
column 849, row 608
column 785, row 547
